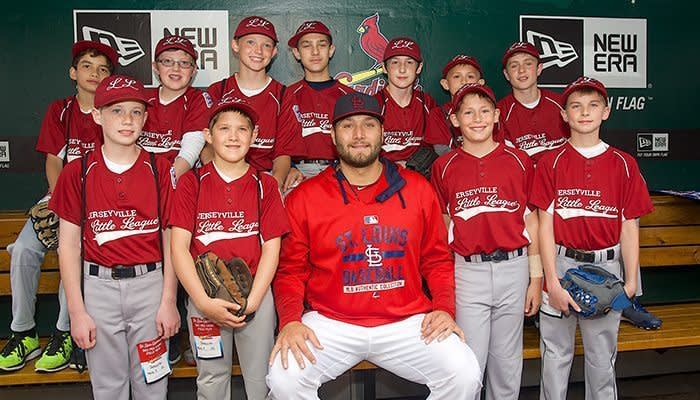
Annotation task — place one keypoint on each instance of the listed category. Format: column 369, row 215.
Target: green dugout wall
column 646, row 51
column 656, row 119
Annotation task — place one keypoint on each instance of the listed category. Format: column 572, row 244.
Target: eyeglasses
column 167, row 62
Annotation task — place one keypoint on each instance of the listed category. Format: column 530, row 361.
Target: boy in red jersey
column 113, row 206
column 67, row 132
column 590, row 197
column 255, row 44
column 458, row 72
column 177, row 112
column 405, row 109
column 231, row 209
column 483, row 189
column 365, row 233
column 308, row 103
column 530, row 117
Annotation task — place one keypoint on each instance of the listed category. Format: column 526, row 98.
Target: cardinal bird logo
column 373, row 43
column 372, row 40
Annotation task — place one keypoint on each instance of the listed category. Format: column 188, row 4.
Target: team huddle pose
column 353, row 255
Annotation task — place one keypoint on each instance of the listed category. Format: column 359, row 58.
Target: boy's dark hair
column 477, row 94
column 92, row 53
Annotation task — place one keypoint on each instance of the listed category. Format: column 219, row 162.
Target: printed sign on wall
column 612, row 50
column 134, row 34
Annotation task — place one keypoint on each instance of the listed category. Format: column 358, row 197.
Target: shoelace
column 14, row 344
column 56, row 344
column 637, row 306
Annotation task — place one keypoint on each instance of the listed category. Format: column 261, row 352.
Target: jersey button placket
column 588, row 170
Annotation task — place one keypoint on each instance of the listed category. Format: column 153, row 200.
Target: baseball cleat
column 56, row 355
column 638, row 316
column 18, row 350
column 174, row 354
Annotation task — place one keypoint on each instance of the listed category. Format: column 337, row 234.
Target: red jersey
column 229, row 218
column 168, row 123
column 589, row 197
column 308, row 112
column 486, row 198
column 122, row 217
column 533, row 130
column 440, row 129
column 272, row 140
column 360, row 255
column 66, row 129
column 404, row 127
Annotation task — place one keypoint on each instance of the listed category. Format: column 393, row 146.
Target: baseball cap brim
column 108, row 51
column 320, row 28
column 462, row 61
column 471, row 89
column 580, row 86
column 245, row 108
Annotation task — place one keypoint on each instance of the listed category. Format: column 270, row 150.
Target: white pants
column 253, row 346
column 309, row 170
column 490, row 299
column 26, row 255
column 448, row 368
column 599, row 336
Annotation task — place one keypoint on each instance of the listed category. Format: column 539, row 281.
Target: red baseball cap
column 520, row 47
column 108, row 51
column 584, row 82
column 356, row 103
column 309, row 27
column 253, row 24
column 461, row 59
column 116, row 88
column 229, row 103
column 175, row 42
column 472, row 88
column 402, row 46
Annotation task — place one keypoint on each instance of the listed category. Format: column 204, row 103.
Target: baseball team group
column 385, row 228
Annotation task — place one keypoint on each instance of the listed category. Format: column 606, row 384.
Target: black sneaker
column 174, row 355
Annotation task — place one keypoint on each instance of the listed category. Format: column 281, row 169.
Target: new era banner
column 134, row 34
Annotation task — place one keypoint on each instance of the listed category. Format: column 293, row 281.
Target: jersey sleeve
column 274, row 222
column 542, row 189
column 636, row 202
column 66, row 199
column 436, row 179
column 437, row 129
column 166, row 183
column 183, row 208
column 294, row 266
column 289, row 127
column 436, row 261
column 197, row 117
column 288, row 142
column 52, row 139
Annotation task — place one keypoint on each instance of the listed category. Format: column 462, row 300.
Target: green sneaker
column 56, row 355
column 18, row 350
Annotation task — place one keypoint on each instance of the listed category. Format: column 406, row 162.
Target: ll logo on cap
column 122, row 83
column 403, row 44
column 307, row 26
column 258, row 23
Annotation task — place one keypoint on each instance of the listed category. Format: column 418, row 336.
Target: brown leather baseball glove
column 230, row 281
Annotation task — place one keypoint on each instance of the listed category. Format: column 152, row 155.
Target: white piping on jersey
column 63, row 111
column 474, row 211
column 92, row 164
column 210, row 237
column 555, row 102
column 447, row 164
column 276, row 101
column 104, row 237
column 508, row 143
column 259, row 183
column 514, row 156
column 627, row 170
column 556, row 160
column 203, row 175
column 298, row 89
column 509, row 111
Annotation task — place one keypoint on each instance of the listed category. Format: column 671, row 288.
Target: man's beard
column 358, row 161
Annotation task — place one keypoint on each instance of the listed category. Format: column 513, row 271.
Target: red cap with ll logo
column 584, row 82
column 253, row 24
column 520, row 47
column 402, row 46
column 175, row 42
column 309, row 27
column 118, row 88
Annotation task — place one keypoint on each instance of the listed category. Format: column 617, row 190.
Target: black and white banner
column 134, row 35
column 612, row 50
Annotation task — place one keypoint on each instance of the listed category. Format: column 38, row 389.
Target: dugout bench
column 669, row 239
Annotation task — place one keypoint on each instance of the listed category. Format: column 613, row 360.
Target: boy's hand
column 560, row 299
column 167, row 320
column 83, row 330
